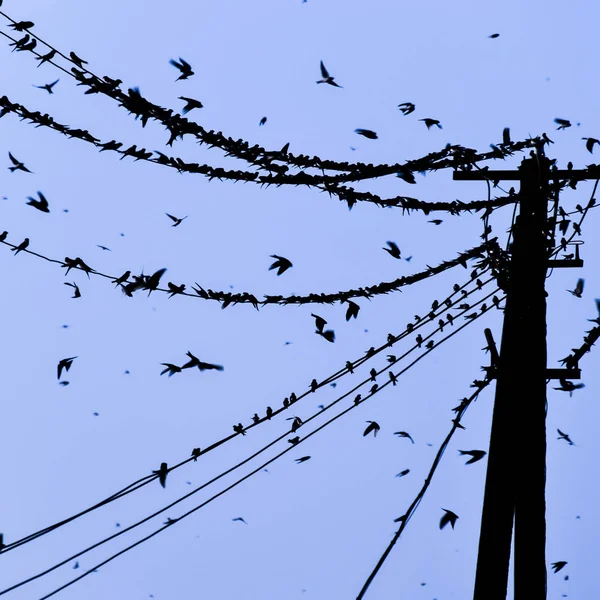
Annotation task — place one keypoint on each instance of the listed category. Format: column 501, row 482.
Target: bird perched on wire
column 393, row 250
column 431, row 122
column 162, row 474
column 65, row 364
column 281, row 263
column 191, row 104
column 47, row 86
column 371, row 135
column 41, row 204
column 578, row 289
column 176, row 220
column 406, row 108
column 17, row 165
column 22, row 246
column 184, row 68
column 327, row 78
column 202, row 366
column 448, row 517
column 78, row 61
column 320, row 323
column 373, row 426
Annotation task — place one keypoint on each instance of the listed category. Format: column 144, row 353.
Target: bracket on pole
column 565, row 263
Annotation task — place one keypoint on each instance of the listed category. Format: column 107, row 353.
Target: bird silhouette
column 559, row 565
column 371, row 135
column 78, row 61
column 494, row 36
column 21, row 25
column 448, row 517
column 393, row 250
column 171, row 369
column 352, row 310
column 47, row 86
column 393, row 378
column 17, row 165
column 327, row 78
column 76, row 292
column 372, row 427
column 239, row 428
column 65, row 364
column 195, row 454
column 191, row 104
column 406, row 108
column 591, row 142
column 404, row 434
column 41, row 204
column 46, row 57
column 202, row 366
column 176, row 220
column 105, row 248
column 262, row 121
column 403, row 473
column 120, row 280
column 269, row 412
column 302, row 459
column 564, row 436
column 562, row 123
column 436, row 221
column 169, row 521
column 474, row 454
column 240, row 519
column 3, row 236
column 151, row 283
column 184, row 68
column 578, row 289
column 320, row 323
column 431, row 122
column 281, row 263
column 162, row 474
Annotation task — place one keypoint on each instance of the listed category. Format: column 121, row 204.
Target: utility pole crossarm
column 593, row 172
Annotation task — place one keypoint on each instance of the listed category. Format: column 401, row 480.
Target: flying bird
column 372, row 427
column 557, row 566
column 76, row 292
column 176, row 220
column 578, row 288
column 564, row 436
column 448, row 517
column 404, row 434
column 47, row 86
column 302, row 459
column 406, row 108
column 17, row 165
column 474, row 454
column 591, row 142
column 170, row 369
column 191, row 104
column 281, row 263
column 262, row 121
column 562, row 123
column 151, row 283
column 320, row 323
column 184, row 68
column 431, row 122
column 240, row 519
column 403, row 473
column 436, row 221
column 327, row 78
column 352, row 310
column 494, row 36
column 65, row 364
column 162, row 474
column 41, row 204
column 393, row 250
column 202, row 366
column 366, row 133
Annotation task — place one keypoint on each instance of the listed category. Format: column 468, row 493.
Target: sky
column 313, row 530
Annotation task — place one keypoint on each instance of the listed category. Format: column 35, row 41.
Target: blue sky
column 314, row 530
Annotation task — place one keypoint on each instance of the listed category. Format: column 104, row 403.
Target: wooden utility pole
column 516, row 473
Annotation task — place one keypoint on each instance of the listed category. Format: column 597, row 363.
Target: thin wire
column 337, row 375
column 236, row 483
